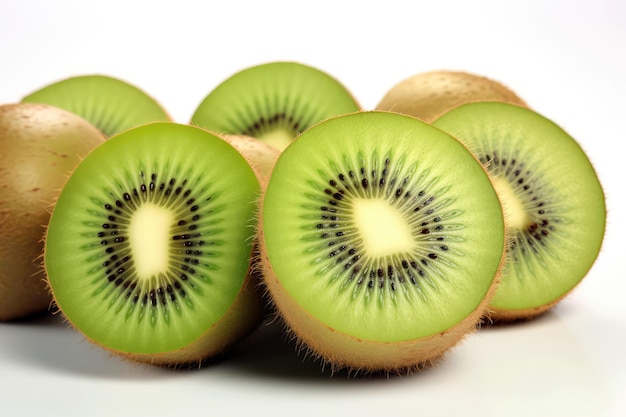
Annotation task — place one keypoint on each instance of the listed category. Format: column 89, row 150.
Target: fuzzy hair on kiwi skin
column 428, row 95
column 28, row 295
column 347, row 351
column 259, row 154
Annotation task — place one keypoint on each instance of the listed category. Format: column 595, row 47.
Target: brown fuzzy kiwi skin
column 54, row 141
column 259, row 154
column 502, row 316
column 428, row 95
column 338, row 350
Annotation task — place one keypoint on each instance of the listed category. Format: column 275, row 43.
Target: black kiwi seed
column 116, row 249
column 526, row 186
column 153, row 257
column 375, row 268
column 276, row 121
column 553, row 193
column 418, row 202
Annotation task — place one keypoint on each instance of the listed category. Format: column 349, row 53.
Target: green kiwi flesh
column 381, row 240
column 111, row 104
column 148, row 247
column 39, row 146
column 273, row 102
column 553, row 200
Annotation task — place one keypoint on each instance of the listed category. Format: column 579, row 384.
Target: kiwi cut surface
column 553, row 200
column 109, row 103
column 429, row 94
column 39, row 146
column 273, row 102
column 148, row 247
column 381, row 240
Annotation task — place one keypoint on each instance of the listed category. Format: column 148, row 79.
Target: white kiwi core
column 278, row 138
column 383, row 228
column 149, row 233
column 515, row 214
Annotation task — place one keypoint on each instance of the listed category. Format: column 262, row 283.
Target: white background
column 565, row 58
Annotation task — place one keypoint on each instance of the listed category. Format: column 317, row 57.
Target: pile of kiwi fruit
column 379, row 238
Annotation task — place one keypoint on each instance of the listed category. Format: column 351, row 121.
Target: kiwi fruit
column 148, row 249
column 259, row 154
column 381, row 241
column 109, row 103
column 429, row 94
column 553, row 200
column 39, row 146
column 273, row 102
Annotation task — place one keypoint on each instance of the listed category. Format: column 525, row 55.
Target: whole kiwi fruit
column 382, row 239
column 148, row 251
column 109, row 103
column 427, row 95
column 273, row 102
column 554, row 202
column 39, row 146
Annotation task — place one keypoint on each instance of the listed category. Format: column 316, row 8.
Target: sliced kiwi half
column 148, row 247
column 427, row 95
column 109, row 103
column 273, row 102
column 381, row 241
column 553, row 200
